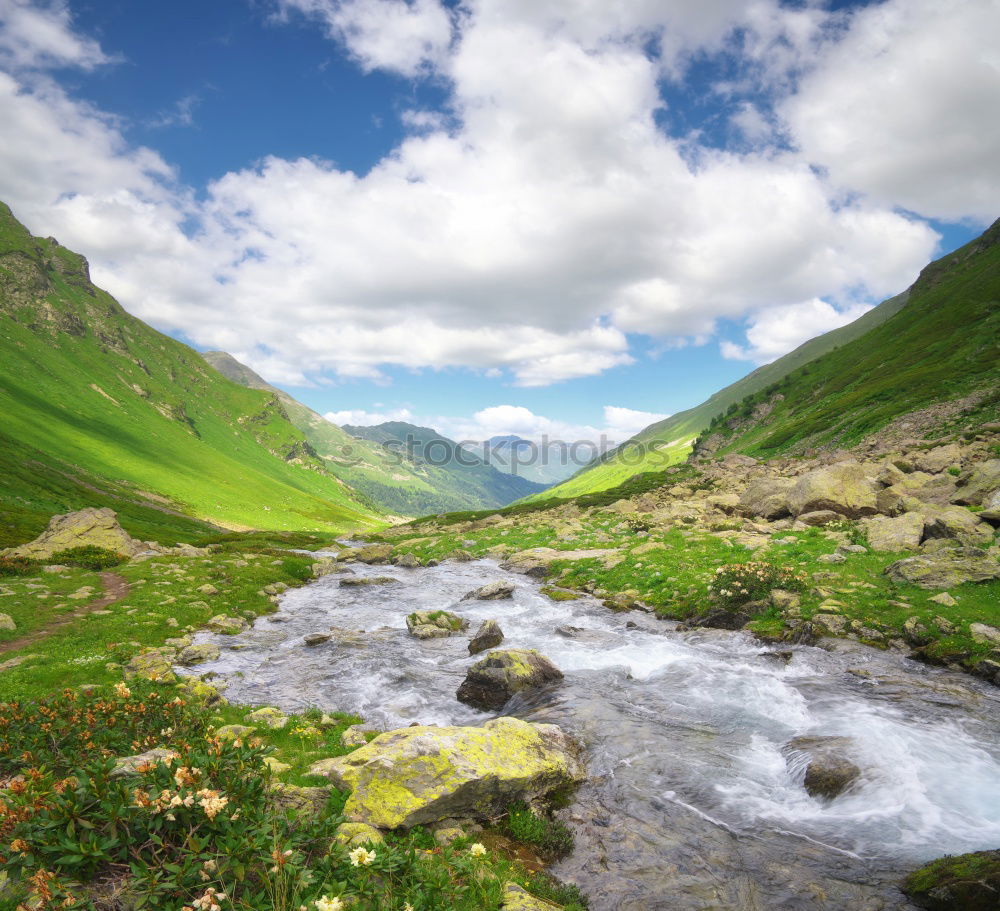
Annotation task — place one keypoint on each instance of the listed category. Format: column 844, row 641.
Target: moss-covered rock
column 154, row 664
column 83, row 528
column 196, row 654
column 516, row 898
column 843, row 488
column 945, row 569
column 967, row 882
column 490, row 682
column 352, row 834
column 435, row 624
column 423, row 774
column 228, row 626
column 269, row 717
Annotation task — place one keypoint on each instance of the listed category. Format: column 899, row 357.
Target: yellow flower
column 361, row 857
column 328, row 904
column 477, row 850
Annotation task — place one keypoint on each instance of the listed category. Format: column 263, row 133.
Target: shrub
column 550, row 836
column 18, row 566
column 737, row 583
column 89, row 557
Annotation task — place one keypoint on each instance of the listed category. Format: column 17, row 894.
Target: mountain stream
column 694, row 800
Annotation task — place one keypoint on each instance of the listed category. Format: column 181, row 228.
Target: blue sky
column 500, row 217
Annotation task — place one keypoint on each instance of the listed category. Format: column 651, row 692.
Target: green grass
column 100, row 409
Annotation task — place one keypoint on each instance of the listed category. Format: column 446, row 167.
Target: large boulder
column 491, row 681
column 955, row 523
column 85, row 528
column 939, row 458
column 894, row 534
column 371, row 553
column 489, row 635
column 767, row 498
column 419, row 775
column 981, row 482
column 945, row 569
column 844, row 488
column 829, row 772
column 968, row 882
column 435, row 624
column 928, row 488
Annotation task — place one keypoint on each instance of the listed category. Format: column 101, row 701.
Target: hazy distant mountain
column 544, row 463
column 460, row 478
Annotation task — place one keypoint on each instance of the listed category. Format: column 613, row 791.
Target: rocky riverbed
column 696, row 796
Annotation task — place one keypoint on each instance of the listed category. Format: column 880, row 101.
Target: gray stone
column 128, row 766
column 945, row 569
column 982, row 632
column 829, row 772
column 489, row 635
column 7, row 623
column 767, row 498
column 844, row 488
column 229, row 626
column 892, row 535
column 491, row 682
column 196, row 654
column 492, row 591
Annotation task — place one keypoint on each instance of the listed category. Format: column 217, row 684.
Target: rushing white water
column 683, row 729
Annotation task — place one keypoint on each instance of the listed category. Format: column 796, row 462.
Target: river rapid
column 692, row 801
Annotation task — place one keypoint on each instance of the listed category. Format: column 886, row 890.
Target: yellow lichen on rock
column 423, row 774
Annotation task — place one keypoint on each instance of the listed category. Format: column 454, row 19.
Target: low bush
column 89, row 557
column 738, row 583
column 18, row 566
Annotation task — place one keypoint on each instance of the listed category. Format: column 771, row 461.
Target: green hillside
column 100, row 409
column 943, row 347
column 458, row 478
column 670, row 441
column 397, row 485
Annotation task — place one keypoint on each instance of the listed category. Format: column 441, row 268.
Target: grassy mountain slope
column 943, row 347
column 397, row 485
column 671, row 440
column 460, row 479
column 100, row 409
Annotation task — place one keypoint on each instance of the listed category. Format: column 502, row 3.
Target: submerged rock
column 491, row 682
column 829, row 772
column 367, row 580
column 419, row 775
column 492, row 591
column 489, row 635
column 435, row 624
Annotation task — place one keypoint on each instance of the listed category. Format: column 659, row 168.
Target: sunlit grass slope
column 100, row 409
